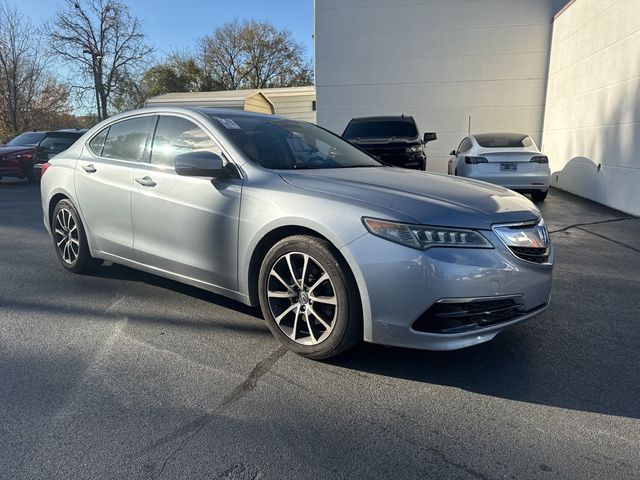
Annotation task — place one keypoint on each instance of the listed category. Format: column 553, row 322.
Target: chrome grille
column 527, row 241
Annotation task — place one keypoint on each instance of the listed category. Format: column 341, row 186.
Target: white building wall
column 592, row 118
column 439, row 61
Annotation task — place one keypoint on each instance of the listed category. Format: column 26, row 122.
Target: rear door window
column 126, row 139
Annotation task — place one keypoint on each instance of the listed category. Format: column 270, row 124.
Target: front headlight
column 422, row 237
column 524, row 236
column 414, row 149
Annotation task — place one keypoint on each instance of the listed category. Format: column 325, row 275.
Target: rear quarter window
column 96, row 144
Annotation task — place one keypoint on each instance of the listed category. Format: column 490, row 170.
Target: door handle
column 146, row 181
column 89, row 168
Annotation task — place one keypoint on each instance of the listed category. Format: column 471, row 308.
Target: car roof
column 67, row 132
column 204, row 110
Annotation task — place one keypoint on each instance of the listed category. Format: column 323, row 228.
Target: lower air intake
column 446, row 318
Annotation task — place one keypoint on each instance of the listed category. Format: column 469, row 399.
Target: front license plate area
column 508, row 166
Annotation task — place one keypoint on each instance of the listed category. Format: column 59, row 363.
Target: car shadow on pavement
column 120, row 272
column 516, row 365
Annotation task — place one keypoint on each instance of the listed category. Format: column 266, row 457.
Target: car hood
column 13, row 150
column 429, row 198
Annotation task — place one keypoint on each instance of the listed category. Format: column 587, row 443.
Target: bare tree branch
column 253, row 55
column 29, row 95
column 103, row 37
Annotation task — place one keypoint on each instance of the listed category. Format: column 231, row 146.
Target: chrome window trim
column 157, row 113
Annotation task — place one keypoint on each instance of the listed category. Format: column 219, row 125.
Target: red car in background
column 23, row 156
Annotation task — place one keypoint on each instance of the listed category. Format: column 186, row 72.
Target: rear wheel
column 309, row 298
column 31, row 175
column 70, row 240
column 539, row 196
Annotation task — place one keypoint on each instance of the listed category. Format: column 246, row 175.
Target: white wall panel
column 437, row 60
column 592, row 117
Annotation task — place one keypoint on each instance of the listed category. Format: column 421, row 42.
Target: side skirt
column 175, row 276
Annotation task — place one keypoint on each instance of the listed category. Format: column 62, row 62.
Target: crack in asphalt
column 586, row 224
column 191, row 429
column 622, row 244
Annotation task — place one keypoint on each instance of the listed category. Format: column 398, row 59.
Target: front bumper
column 398, row 285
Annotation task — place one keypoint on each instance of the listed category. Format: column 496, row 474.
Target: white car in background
column 511, row 160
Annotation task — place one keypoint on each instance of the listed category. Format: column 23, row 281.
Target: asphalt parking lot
column 121, row 374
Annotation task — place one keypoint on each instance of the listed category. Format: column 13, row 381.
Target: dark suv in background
column 393, row 140
column 23, row 156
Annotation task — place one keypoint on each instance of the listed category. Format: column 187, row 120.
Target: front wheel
column 539, row 196
column 70, row 240
column 309, row 298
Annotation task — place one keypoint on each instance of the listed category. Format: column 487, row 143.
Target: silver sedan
column 508, row 159
column 332, row 245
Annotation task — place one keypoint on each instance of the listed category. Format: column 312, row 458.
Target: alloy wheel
column 67, row 236
column 302, row 298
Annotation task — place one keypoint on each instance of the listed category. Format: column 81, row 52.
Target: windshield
column 381, row 129
column 58, row 144
column 26, row 139
column 287, row 144
column 504, row 140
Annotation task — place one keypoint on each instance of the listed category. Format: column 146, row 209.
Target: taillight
column 475, row 160
column 539, row 159
column 45, row 166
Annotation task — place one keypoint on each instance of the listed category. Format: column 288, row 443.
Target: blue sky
column 178, row 24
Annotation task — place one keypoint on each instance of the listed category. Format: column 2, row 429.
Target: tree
column 30, row 97
column 103, row 41
column 180, row 72
column 253, row 54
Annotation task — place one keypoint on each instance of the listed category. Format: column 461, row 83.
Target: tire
column 69, row 239
column 539, row 196
column 324, row 317
column 30, row 175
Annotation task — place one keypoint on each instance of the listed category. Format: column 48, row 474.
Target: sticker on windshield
column 229, row 124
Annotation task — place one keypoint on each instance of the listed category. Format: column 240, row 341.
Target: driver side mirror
column 453, row 152
column 201, row 164
column 430, row 137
